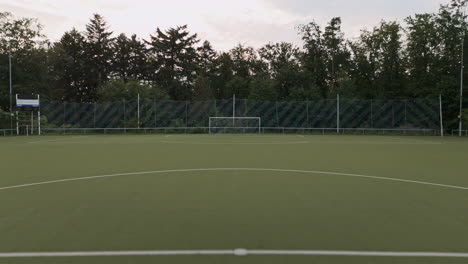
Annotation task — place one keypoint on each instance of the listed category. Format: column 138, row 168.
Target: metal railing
column 7, row 132
column 240, row 130
column 455, row 132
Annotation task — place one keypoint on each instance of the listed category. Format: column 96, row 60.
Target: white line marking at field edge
column 54, row 140
column 235, row 252
column 234, row 169
column 235, row 143
column 301, row 142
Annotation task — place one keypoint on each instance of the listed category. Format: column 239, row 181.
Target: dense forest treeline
column 414, row 58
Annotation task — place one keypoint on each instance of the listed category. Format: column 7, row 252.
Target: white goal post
column 244, row 124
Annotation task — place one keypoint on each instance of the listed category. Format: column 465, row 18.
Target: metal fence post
column 17, row 123
column 337, row 113
column 441, row 117
column 277, row 118
column 94, row 115
column 215, row 108
column 125, row 116
column 406, row 121
column 64, row 113
column 186, row 114
column 138, row 110
column 39, row 121
column 154, row 112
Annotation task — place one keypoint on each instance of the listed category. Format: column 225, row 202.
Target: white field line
column 299, row 142
column 234, row 169
column 54, row 140
column 236, row 252
column 416, row 139
column 236, row 143
column 103, row 142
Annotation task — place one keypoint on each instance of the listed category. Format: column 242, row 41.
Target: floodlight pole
column 11, row 90
column 462, row 66
column 461, row 88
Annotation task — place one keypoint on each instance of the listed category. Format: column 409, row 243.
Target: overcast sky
column 224, row 23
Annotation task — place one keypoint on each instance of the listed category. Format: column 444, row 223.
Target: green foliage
column 177, row 123
column 130, row 59
column 174, row 58
column 69, row 67
column 22, row 40
column 98, row 56
column 262, row 88
column 4, row 119
column 202, row 89
column 118, row 90
column 19, row 35
column 422, row 53
column 237, row 85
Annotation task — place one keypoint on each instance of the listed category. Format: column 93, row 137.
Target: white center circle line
column 235, row 169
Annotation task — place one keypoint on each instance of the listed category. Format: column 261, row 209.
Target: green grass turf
column 233, row 209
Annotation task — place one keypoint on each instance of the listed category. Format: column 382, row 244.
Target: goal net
column 234, row 125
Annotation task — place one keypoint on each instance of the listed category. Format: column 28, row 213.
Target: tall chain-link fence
column 328, row 114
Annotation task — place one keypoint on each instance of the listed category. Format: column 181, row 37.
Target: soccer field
column 138, row 198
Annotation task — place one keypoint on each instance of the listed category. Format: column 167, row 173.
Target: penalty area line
column 236, row 252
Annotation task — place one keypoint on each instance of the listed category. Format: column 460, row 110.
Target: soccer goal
column 235, row 125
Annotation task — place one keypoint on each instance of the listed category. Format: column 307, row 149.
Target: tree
column 174, row 60
column 279, row 55
column 423, row 54
column 245, row 62
column 337, row 58
column 392, row 72
column 364, row 64
column 117, row 90
column 19, row 35
column 206, row 58
column 22, row 38
column 244, row 66
column 222, row 73
column 283, row 66
column 202, row 89
column 238, row 86
column 68, row 67
column 326, row 55
column 262, row 88
column 314, row 56
column 377, row 65
column 98, row 56
column 451, row 27
column 129, row 60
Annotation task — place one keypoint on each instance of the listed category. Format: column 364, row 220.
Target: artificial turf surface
column 229, row 209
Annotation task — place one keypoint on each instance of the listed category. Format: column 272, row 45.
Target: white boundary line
column 236, row 252
column 299, row 142
column 234, row 169
column 54, row 140
column 236, row 143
